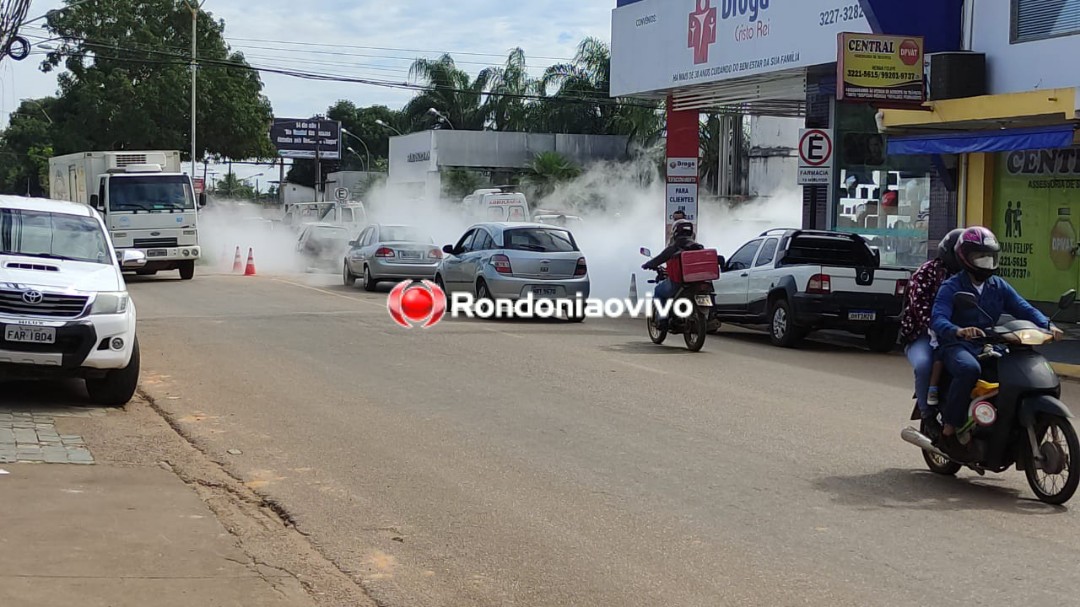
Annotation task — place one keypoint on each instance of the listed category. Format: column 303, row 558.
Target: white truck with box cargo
column 147, row 203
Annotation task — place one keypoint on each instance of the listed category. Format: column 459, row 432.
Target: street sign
column 200, row 184
column 300, row 138
column 341, row 194
column 816, row 156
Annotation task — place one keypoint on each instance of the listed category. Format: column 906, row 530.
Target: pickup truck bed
column 799, row 281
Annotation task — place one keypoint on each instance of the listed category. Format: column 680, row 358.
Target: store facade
column 779, row 58
column 1016, row 139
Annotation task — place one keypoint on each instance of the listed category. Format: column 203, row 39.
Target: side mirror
column 646, row 252
column 448, row 249
column 95, row 201
column 1067, row 300
column 353, row 243
column 720, row 261
column 965, row 300
column 132, row 259
column 202, row 199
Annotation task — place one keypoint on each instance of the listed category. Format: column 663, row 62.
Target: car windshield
column 547, row 240
column 150, row 193
column 52, row 236
column 403, row 234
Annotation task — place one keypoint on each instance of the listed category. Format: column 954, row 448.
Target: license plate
column 704, row 300
column 410, row 255
column 545, row 291
column 157, row 253
column 862, row 315
column 30, row 335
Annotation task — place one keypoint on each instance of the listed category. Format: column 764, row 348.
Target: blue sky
column 363, row 32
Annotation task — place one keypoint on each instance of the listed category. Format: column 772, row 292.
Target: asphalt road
column 545, row 463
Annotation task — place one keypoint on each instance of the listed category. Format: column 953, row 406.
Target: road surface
column 545, row 463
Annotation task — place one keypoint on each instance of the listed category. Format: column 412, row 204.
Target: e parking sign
column 815, row 156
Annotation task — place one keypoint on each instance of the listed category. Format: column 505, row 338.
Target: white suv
column 64, row 307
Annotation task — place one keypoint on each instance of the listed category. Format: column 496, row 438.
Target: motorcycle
column 694, row 327
column 1014, row 408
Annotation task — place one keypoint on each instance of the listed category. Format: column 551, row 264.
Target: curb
column 1066, row 371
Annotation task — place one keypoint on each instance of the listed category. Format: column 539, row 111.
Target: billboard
column 880, row 68
column 301, row 137
column 658, row 45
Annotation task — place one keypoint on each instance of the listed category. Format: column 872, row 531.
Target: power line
column 396, row 50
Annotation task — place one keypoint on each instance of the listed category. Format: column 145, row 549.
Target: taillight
column 582, row 268
column 819, row 284
column 384, row 252
column 901, row 288
column 501, row 264
column 435, row 254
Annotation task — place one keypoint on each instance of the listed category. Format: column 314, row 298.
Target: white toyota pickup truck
column 798, row 281
column 64, row 307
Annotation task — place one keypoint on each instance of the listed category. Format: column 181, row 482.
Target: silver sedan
column 390, row 253
column 512, row 260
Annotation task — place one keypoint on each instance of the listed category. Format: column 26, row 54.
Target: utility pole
column 194, row 6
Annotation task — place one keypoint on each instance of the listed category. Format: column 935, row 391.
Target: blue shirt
column 997, row 298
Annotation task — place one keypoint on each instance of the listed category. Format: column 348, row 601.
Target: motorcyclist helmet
column 682, row 228
column 977, row 250
column 946, row 251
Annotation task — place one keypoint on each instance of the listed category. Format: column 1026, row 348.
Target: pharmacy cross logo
column 413, row 303
column 702, row 32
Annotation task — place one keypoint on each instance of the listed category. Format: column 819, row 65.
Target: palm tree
column 508, row 87
column 450, row 91
column 548, row 170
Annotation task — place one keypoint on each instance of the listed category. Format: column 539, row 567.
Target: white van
column 498, row 206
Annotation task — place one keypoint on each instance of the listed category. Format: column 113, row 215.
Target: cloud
column 372, row 39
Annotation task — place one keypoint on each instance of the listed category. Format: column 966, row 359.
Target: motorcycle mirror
column 1067, row 300
column 646, row 252
column 965, row 301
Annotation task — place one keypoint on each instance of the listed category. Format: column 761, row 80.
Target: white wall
column 1027, row 66
column 774, row 162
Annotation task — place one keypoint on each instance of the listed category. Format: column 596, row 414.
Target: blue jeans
column 921, row 356
column 664, row 291
column 964, row 370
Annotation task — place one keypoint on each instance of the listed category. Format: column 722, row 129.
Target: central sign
column 815, row 156
column 880, row 68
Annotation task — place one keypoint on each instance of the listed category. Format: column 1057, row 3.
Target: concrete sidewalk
column 117, row 536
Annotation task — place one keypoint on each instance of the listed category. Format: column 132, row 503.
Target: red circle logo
column 909, row 52
column 413, row 303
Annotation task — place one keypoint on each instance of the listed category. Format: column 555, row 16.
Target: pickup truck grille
column 150, row 243
column 50, row 306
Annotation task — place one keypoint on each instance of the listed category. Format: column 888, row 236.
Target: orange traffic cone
column 237, row 264
column 250, row 270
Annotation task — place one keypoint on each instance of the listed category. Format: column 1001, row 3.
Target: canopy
column 970, row 142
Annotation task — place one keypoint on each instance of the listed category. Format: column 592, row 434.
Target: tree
column 548, row 170
column 361, row 122
column 25, row 148
column 459, row 183
column 510, row 85
column 450, row 91
column 128, row 83
column 232, row 186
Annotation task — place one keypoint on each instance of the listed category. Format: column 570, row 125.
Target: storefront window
column 1036, row 213
column 884, row 199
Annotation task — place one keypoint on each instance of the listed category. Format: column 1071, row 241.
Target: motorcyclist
column 920, row 343
column 977, row 251
column 682, row 239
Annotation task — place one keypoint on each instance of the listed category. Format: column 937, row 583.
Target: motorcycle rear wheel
column 697, row 327
column 655, row 334
column 1067, row 462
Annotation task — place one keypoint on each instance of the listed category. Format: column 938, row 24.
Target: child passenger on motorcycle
column 682, row 239
column 977, row 252
column 920, row 344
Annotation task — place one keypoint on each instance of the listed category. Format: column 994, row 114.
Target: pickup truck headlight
column 110, row 303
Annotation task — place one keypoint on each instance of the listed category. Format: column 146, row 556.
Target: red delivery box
column 694, row 266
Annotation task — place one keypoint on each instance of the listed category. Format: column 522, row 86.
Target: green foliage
column 547, row 171
column 459, row 183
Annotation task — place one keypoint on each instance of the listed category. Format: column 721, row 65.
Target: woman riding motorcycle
column 919, row 343
column 977, row 251
column 682, row 239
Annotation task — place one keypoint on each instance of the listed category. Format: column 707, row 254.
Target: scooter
column 694, row 327
column 1016, row 415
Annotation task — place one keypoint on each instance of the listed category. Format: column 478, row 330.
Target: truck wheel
column 187, row 270
column 882, row 339
column 118, row 386
column 782, row 329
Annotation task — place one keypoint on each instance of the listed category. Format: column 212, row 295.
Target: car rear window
column 546, row 240
column 329, row 233
column 404, row 234
column 827, row 250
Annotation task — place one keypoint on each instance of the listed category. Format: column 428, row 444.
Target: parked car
column 322, row 244
column 799, row 281
column 504, row 260
column 390, row 252
column 559, row 219
column 65, row 311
